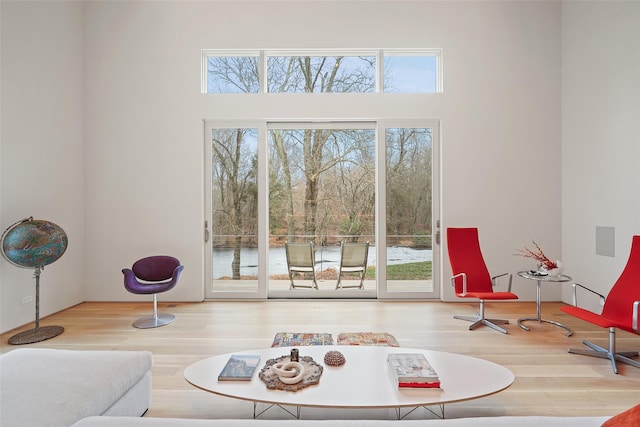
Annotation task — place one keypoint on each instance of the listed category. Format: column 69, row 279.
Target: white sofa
column 55, row 388
column 458, row 422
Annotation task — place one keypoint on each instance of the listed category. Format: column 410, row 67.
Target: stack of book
column 412, row 370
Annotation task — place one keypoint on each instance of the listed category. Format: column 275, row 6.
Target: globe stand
column 37, row 334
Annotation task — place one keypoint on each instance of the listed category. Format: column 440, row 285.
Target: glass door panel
column 322, row 192
column 409, row 211
column 232, row 226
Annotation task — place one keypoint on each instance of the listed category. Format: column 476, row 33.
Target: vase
column 544, row 271
column 556, row 271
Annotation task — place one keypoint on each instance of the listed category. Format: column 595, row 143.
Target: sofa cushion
column 45, row 387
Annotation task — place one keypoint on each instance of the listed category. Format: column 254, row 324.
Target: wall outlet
column 27, row 299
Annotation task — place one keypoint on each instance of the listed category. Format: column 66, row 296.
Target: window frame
column 380, row 54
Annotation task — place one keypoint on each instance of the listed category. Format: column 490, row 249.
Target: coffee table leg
column 256, row 414
column 440, row 415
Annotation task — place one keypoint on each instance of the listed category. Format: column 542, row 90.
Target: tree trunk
column 286, row 171
column 235, row 264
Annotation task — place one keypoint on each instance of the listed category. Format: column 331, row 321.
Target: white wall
column 601, row 135
column 499, row 113
column 143, row 112
column 41, row 148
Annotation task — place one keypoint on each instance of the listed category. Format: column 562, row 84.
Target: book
column 435, row 384
column 239, row 367
column 412, row 370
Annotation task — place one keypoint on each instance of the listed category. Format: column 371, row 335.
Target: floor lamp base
column 36, row 335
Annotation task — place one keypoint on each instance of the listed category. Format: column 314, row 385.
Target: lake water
column 326, row 257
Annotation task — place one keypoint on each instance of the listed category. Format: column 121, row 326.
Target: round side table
column 539, row 278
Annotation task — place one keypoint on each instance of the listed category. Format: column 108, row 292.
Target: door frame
column 262, row 290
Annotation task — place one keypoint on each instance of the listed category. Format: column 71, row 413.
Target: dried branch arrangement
column 538, row 255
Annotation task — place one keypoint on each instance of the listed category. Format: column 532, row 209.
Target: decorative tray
column 312, row 373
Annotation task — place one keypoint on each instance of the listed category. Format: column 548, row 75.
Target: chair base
column 478, row 321
column 603, row 353
column 154, row 321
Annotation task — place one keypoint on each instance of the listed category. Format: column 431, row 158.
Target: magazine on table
column 239, row 367
column 413, row 370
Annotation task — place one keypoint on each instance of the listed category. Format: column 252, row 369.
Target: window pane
column 321, row 74
column 321, row 189
column 410, row 74
column 234, row 221
column 409, row 200
column 232, row 74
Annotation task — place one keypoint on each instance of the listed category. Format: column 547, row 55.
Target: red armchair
column 471, row 277
column 620, row 310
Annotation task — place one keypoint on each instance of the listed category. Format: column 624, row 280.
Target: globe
column 33, row 243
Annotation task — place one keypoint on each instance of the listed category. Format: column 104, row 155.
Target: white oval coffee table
column 364, row 381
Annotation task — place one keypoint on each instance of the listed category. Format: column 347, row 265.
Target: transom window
column 389, row 71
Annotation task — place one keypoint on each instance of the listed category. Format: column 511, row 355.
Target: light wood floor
column 549, row 381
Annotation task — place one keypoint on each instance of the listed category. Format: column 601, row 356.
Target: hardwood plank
column 549, row 381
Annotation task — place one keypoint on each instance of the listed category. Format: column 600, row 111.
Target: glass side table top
column 534, row 275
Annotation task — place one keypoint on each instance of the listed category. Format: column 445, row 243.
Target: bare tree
column 233, row 74
column 331, row 171
column 408, row 180
column 282, row 152
column 321, row 74
column 235, row 169
column 318, row 74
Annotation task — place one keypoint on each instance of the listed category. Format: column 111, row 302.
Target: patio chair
column 621, row 310
column 353, row 259
column 301, row 259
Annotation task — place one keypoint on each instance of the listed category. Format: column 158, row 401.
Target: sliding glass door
column 325, row 185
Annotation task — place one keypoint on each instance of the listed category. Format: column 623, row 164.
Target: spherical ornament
column 334, row 358
column 33, row 243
